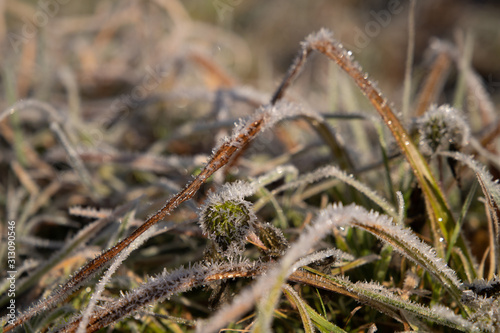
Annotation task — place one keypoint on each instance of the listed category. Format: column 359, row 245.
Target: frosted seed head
column 226, row 219
column 442, row 128
column 273, row 239
column 227, row 222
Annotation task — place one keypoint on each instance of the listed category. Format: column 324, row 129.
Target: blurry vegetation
column 110, row 107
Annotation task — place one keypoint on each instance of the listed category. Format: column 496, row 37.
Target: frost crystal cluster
column 226, row 219
column 442, row 128
column 227, row 224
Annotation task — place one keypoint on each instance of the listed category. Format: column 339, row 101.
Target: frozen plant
column 442, row 128
column 227, row 223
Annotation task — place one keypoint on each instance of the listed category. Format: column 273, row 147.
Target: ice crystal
column 487, row 309
column 320, row 36
column 107, row 276
column 271, row 280
column 485, row 288
column 285, row 110
column 165, row 284
column 384, row 300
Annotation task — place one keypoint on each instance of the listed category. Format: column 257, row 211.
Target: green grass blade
column 374, row 294
column 294, row 298
column 400, row 238
column 321, row 323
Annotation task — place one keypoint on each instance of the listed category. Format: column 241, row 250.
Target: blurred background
column 157, row 64
column 107, row 46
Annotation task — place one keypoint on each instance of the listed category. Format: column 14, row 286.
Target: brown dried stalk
column 434, row 83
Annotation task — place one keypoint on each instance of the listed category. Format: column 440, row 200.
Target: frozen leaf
column 401, row 239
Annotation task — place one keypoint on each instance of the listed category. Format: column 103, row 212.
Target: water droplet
column 389, row 122
column 440, row 219
column 407, row 143
column 441, row 239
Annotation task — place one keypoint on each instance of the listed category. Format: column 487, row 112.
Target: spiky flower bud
column 227, row 223
column 442, row 128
